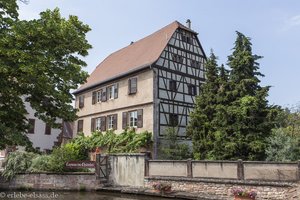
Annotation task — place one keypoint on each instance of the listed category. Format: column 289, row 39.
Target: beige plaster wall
column 127, row 169
column 147, row 119
column 143, row 99
column 214, row 170
column 167, row 168
column 270, row 171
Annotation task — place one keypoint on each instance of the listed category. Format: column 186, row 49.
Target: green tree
column 284, row 143
column 283, row 146
column 200, row 127
column 41, row 61
column 232, row 118
column 171, row 148
column 248, row 125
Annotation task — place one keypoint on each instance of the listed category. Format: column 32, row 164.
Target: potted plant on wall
column 162, row 187
column 243, row 194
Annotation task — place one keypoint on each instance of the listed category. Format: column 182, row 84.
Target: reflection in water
column 60, row 195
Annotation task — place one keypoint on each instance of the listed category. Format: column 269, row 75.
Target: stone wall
column 222, row 188
column 51, row 181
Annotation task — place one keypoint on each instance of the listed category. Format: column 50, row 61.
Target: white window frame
column 98, row 124
column 111, row 92
column 98, row 96
column 110, row 122
column 133, row 118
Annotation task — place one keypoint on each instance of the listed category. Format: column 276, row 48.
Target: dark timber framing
column 181, row 61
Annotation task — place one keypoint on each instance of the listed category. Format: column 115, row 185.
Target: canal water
column 39, row 195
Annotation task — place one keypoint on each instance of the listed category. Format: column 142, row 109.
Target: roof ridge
column 144, row 51
column 143, row 38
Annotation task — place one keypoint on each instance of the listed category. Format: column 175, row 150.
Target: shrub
column 65, row 153
column 40, row 163
column 17, row 162
column 172, row 149
column 283, row 146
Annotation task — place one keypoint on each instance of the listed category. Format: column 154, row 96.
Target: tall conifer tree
column 200, row 127
column 231, row 119
column 247, row 113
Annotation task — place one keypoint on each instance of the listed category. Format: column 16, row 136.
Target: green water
column 38, row 195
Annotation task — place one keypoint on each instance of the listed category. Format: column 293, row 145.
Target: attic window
column 195, row 63
column 186, row 37
column 177, row 58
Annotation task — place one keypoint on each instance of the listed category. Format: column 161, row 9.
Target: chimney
column 188, row 23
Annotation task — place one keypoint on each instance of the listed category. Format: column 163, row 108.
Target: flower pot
column 242, row 198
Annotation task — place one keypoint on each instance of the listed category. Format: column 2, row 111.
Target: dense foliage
column 40, row 63
column 284, row 143
column 171, row 148
column 78, row 149
column 17, row 162
column 232, row 119
column 126, row 142
column 20, row 162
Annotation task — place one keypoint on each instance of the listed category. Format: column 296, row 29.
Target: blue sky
column 273, row 25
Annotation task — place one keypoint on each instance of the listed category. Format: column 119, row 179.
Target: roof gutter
column 141, row 68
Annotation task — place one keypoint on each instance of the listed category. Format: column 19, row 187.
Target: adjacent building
column 149, row 85
column 42, row 136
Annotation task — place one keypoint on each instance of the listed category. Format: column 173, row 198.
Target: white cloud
column 292, row 22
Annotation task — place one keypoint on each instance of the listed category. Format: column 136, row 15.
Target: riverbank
column 171, row 195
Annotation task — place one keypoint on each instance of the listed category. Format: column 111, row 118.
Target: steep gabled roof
column 138, row 55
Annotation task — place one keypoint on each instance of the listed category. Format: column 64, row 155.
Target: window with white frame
column 111, row 92
column 110, row 122
column 99, row 95
column 133, row 119
column 98, row 124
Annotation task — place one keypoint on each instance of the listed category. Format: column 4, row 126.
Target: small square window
column 177, row 58
column 192, row 90
column 172, row 85
column 173, row 119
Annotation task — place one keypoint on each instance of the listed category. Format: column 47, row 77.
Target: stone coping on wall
column 225, row 161
column 173, row 161
column 224, row 181
column 60, row 173
column 124, row 154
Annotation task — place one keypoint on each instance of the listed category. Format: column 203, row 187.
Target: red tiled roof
column 137, row 55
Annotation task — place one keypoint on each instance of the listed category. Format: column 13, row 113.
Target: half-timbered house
column 150, row 85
